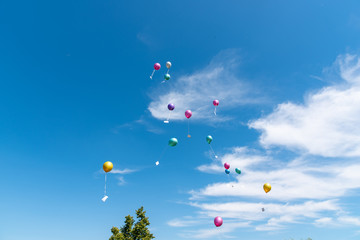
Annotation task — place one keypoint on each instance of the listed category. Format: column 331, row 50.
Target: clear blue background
column 73, row 71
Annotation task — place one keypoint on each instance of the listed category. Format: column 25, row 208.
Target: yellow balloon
column 108, row 166
column 267, row 187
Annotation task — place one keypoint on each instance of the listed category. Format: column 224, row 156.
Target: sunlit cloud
column 197, row 91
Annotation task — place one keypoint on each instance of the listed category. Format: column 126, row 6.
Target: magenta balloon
column 157, row 66
column 227, row 165
column 188, row 114
column 218, row 221
column 216, row 103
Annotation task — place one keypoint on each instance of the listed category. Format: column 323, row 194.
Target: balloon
column 108, row 166
column 188, row 113
column 226, row 165
column 238, row 171
column 173, row 142
column 167, row 76
column 267, row 187
column 209, row 139
column 227, row 171
column 168, row 65
column 157, row 66
column 171, row 106
column 218, row 221
column 216, row 103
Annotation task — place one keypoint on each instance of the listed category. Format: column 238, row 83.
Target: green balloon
column 167, row 76
column 209, row 139
column 173, row 142
column 238, row 171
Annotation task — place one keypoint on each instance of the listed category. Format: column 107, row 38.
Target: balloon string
column 163, row 152
column 152, row 74
column 168, row 116
column 189, row 128
column 213, row 151
column 230, row 179
column 168, row 71
column 105, row 185
column 215, row 111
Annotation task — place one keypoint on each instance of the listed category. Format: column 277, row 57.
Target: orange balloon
column 267, row 187
column 108, row 166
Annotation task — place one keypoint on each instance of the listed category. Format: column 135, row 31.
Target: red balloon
column 216, row 103
column 188, row 114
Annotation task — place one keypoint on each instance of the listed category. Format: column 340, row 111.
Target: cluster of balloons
column 157, row 67
column 227, row 171
column 188, row 114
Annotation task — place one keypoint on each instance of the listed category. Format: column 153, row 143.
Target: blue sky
column 75, row 92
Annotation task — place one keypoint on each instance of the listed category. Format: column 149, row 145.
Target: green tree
column 129, row 231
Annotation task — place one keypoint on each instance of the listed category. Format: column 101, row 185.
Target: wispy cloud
column 142, row 122
column 337, row 222
column 327, row 124
column 197, row 91
column 121, row 181
column 118, row 173
column 223, row 231
column 124, row 171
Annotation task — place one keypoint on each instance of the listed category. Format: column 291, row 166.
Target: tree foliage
column 129, row 231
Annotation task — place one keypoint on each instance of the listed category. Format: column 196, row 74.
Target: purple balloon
column 218, row 221
column 171, row 106
column 157, row 66
column 188, row 114
column 227, row 165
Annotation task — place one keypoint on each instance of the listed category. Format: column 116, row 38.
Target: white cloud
column 185, row 222
column 307, row 189
column 321, row 186
column 124, row 171
column 325, row 221
column 327, row 124
column 241, row 157
column 213, row 231
column 197, row 91
column 289, row 181
column 121, row 181
column 249, row 215
column 349, row 220
column 337, row 222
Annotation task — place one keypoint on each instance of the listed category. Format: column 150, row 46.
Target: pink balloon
column 188, row 114
column 218, row 221
column 227, row 165
column 157, row 66
column 216, row 103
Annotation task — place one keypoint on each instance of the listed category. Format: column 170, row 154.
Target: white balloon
column 168, row 65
